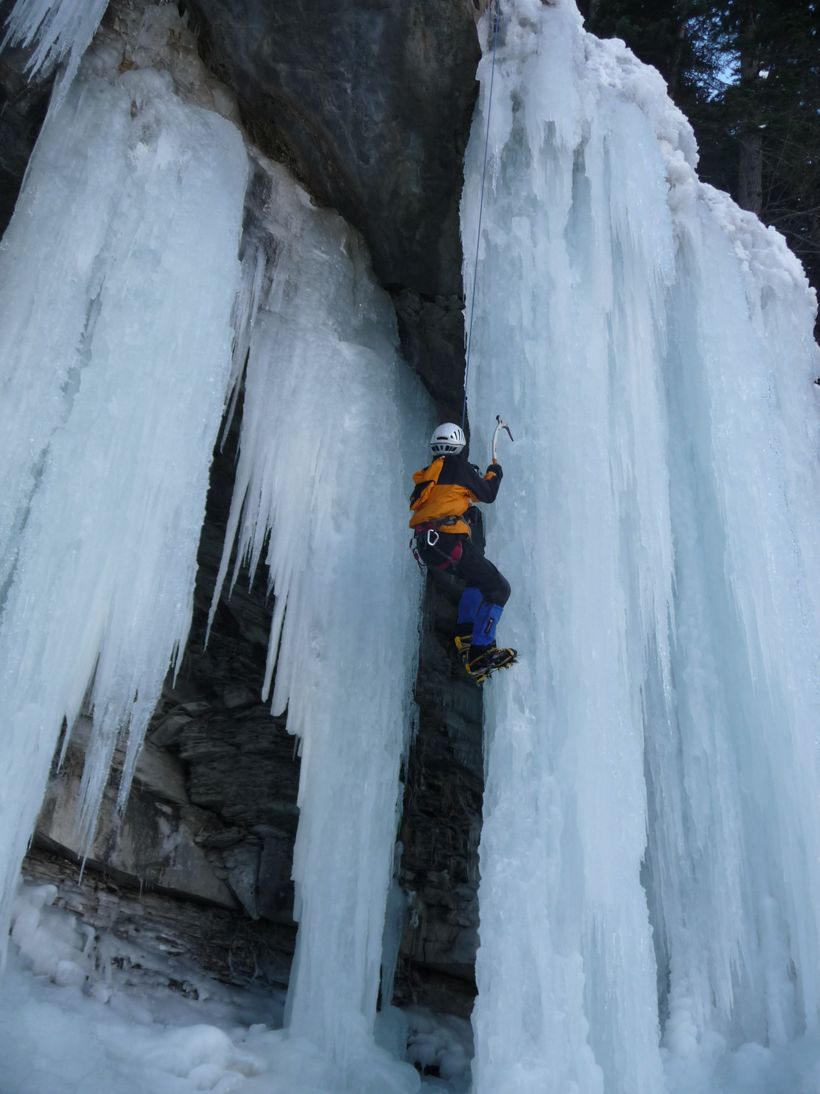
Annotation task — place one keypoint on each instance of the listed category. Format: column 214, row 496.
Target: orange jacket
column 445, row 491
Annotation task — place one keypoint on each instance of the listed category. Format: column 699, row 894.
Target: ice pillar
column 651, row 346
column 119, row 271
column 332, row 420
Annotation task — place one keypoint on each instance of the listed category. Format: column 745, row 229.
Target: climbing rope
column 480, row 211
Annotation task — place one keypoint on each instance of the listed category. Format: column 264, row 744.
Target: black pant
column 473, row 568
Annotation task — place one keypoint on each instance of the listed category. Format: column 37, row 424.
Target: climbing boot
column 483, row 661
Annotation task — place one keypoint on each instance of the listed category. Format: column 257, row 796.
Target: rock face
column 174, row 938
column 441, row 821
column 370, row 104
column 160, row 837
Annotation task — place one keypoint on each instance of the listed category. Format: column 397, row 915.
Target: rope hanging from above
column 480, row 209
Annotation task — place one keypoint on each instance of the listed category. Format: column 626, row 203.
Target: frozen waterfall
column 649, row 858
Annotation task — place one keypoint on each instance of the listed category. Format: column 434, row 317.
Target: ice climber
column 441, row 503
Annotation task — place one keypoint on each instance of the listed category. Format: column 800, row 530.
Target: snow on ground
column 74, row 1020
column 749, row 1069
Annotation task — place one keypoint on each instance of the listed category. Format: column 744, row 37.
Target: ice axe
column 501, row 425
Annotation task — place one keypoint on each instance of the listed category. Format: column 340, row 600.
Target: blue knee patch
column 486, row 621
column 468, row 605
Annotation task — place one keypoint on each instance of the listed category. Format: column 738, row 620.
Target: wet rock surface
column 441, row 822
column 159, row 929
column 370, row 104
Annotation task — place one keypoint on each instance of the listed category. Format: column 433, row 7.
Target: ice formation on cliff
column 126, row 319
column 650, row 875
column 652, row 345
column 332, row 428
column 115, row 340
column 56, row 30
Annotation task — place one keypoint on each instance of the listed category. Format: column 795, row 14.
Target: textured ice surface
column 652, row 348
column 58, row 29
column 118, row 274
column 83, row 1013
column 125, row 318
column 333, row 426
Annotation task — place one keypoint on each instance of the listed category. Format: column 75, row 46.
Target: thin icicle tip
column 61, row 29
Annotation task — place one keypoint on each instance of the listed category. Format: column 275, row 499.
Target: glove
column 496, row 467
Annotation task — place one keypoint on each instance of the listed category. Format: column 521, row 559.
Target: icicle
column 393, row 927
column 652, row 346
column 118, row 275
column 332, row 428
column 61, row 29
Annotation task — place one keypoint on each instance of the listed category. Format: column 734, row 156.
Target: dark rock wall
column 22, row 110
column 441, row 821
column 168, row 934
column 240, row 762
column 369, row 101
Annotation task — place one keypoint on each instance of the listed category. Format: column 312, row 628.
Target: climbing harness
column 480, row 210
column 429, row 530
column 431, row 537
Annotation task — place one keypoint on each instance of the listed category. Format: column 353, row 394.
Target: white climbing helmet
column 448, row 439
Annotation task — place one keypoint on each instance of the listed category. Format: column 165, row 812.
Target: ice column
column 733, row 764
column 333, row 426
column 118, row 272
column 652, row 347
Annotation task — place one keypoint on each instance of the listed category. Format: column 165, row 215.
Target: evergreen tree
column 772, row 116
column 659, row 32
column 747, row 74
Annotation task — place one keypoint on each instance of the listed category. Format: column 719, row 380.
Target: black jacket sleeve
column 460, row 472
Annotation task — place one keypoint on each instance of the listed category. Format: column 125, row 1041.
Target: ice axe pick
column 501, row 425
